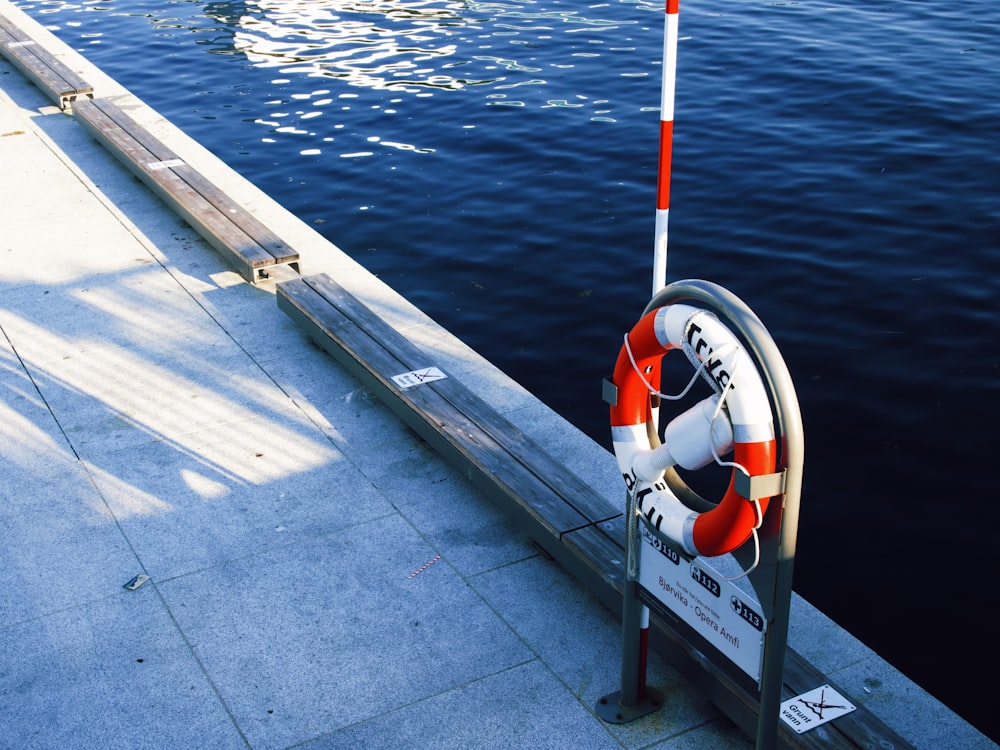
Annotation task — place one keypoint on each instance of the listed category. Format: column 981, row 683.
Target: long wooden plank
column 580, row 496
column 245, row 221
column 376, row 356
column 222, row 222
column 198, row 184
column 58, row 80
column 240, row 249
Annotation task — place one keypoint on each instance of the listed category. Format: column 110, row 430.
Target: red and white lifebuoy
column 699, row 435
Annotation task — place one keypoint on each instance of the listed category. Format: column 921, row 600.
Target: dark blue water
column 836, row 167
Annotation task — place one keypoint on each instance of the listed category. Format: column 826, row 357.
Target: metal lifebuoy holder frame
column 738, row 622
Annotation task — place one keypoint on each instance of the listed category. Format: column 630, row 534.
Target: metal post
column 635, row 699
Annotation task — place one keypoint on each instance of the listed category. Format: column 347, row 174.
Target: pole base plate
column 609, row 708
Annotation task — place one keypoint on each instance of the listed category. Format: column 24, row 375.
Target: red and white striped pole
column 669, row 74
column 635, row 699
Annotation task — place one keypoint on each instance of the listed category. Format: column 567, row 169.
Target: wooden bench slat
column 423, row 408
column 199, row 184
column 539, row 464
column 241, row 250
column 58, row 80
column 381, row 353
column 247, row 223
column 229, row 228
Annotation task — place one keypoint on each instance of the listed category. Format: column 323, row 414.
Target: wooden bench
column 565, row 517
column 41, row 67
column 495, row 454
column 244, row 241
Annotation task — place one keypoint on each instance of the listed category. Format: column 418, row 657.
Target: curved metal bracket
column 772, row 578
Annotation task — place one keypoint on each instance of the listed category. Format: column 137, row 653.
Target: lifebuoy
column 696, row 437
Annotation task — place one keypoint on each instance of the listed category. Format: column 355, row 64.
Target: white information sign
column 816, row 707
column 695, row 592
column 418, row 377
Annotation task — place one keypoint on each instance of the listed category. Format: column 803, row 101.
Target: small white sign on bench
column 809, row 710
column 418, row 377
column 166, row 164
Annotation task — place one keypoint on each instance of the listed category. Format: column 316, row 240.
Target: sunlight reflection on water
column 414, row 46
column 422, row 48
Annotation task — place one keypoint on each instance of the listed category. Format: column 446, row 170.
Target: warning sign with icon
column 418, row 377
column 809, row 710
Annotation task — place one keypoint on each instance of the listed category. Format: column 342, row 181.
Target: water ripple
column 402, row 46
